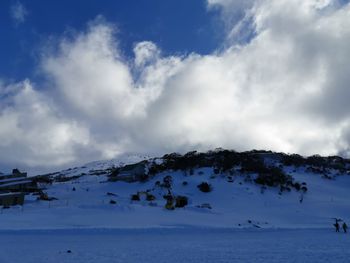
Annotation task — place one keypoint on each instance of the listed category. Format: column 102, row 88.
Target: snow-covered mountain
column 256, row 189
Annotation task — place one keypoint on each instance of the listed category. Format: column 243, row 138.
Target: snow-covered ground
column 236, row 204
column 174, row 245
column 244, row 223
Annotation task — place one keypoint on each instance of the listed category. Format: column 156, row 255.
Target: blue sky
column 91, row 80
column 179, row 26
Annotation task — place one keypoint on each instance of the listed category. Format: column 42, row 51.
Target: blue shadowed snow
column 175, row 245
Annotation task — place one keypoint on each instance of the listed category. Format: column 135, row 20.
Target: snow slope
column 84, row 202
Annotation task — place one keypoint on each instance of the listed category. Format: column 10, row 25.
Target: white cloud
column 237, row 16
column 231, row 4
column 33, row 131
column 145, row 52
column 18, row 12
column 285, row 90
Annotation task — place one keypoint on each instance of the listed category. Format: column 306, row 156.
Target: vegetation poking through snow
column 135, row 197
column 150, row 197
column 205, row 187
column 260, row 167
column 202, row 172
column 169, row 202
column 264, row 168
column 181, row 201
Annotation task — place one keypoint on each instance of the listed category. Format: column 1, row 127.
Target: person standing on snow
column 336, row 225
column 345, row 227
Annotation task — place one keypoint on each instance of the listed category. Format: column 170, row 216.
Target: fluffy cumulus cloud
column 285, row 89
column 32, row 130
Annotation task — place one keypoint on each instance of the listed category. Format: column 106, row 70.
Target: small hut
column 130, row 173
column 13, row 188
column 9, row 199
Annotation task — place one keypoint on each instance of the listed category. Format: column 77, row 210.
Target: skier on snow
column 336, row 225
column 345, row 227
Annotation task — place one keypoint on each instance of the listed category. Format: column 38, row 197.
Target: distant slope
column 256, row 189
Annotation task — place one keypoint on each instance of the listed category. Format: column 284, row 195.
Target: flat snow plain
column 174, row 245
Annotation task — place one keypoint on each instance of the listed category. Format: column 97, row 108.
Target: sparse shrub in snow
column 297, row 186
column 181, row 201
column 150, row 197
column 273, row 176
column 167, row 181
column 135, row 197
column 168, row 196
column 112, row 202
column 293, row 159
column 169, row 201
column 316, row 160
column 184, row 183
column 205, row 187
column 253, row 165
column 170, row 204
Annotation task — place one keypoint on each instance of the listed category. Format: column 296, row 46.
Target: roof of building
column 11, row 194
column 14, row 179
column 15, row 183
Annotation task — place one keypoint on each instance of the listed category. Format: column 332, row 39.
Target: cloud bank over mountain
column 286, row 88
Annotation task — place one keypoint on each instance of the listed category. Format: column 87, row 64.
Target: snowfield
column 238, row 221
column 238, row 204
column 174, row 245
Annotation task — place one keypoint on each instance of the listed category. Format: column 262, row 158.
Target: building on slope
column 11, row 198
column 130, row 173
column 13, row 188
